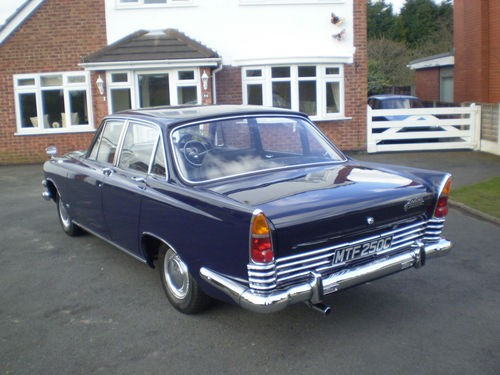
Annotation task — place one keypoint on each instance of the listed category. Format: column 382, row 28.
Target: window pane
column 280, row 137
column 307, row 71
column 53, row 108
column 331, row 71
column 78, row 107
column 154, row 90
column 52, row 80
column 159, row 167
column 281, row 95
column 186, row 74
column 187, row 95
column 109, row 140
column 77, row 79
column 26, row 82
column 155, row 1
column 138, row 147
column 120, row 100
column 254, row 73
column 119, row 77
column 27, row 103
column 332, row 97
column 280, row 72
column 307, row 97
column 254, row 94
column 129, row 1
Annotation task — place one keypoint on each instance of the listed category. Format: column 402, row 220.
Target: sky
column 7, row 7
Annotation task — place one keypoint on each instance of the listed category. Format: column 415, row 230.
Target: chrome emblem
column 370, row 220
column 413, row 203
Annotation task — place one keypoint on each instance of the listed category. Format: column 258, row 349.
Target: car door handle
column 107, row 171
column 139, row 179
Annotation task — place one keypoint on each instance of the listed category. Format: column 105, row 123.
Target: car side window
column 109, row 141
column 138, row 147
column 159, row 165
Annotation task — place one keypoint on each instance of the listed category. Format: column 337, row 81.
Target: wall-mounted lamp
column 100, row 85
column 204, row 80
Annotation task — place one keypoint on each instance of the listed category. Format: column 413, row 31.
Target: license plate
column 348, row 253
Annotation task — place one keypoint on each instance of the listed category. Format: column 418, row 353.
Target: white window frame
column 38, row 89
column 141, row 4
column 133, row 84
column 285, row 2
column 321, row 79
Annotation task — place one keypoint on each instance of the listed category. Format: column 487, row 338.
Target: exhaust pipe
column 321, row 307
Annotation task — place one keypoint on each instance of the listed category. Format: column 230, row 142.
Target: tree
column 380, row 20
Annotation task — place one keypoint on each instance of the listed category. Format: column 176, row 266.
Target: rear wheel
column 70, row 228
column 181, row 288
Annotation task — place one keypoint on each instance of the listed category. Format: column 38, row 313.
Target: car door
column 125, row 186
column 89, row 176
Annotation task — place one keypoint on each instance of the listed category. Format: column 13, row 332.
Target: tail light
column 261, row 247
column 442, row 203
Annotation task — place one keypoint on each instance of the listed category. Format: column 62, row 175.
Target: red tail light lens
column 261, row 248
column 442, row 203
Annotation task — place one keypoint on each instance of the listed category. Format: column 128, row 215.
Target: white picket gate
column 440, row 128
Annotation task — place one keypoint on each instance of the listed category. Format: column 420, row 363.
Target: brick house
column 475, row 64
column 66, row 64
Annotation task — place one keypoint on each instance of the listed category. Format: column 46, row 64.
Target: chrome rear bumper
column 318, row 286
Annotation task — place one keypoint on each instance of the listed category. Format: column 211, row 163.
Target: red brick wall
column 53, row 38
column 494, row 51
column 228, row 84
column 477, row 51
column 427, row 82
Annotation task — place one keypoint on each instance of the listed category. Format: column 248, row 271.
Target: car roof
column 172, row 116
column 391, row 96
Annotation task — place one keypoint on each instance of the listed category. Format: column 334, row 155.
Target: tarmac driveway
column 79, row 306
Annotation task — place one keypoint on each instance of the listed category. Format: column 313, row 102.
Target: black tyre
column 180, row 287
column 70, row 228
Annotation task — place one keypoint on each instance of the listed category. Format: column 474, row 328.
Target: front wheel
column 180, row 287
column 70, row 228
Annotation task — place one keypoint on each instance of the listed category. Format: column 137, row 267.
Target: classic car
column 247, row 205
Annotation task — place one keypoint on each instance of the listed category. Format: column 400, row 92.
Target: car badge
column 370, row 220
column 413, row 203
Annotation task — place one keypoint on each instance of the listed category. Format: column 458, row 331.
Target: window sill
column 331, row 118
column 288, row 2
column 86, row 129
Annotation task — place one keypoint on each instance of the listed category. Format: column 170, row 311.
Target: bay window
column 53, row 102
column 317, row 90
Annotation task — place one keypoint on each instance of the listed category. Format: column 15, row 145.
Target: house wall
column 348, row 134
column 43, row 44
column 241, row 31
column 477, row 51
column 427, row 84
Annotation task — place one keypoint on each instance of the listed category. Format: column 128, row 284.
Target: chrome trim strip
column 315, row 289
column 111, row 242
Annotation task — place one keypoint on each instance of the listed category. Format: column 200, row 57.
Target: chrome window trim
column 235, row 117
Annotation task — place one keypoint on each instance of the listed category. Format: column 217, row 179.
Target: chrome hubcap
column 176, row 275
column 63, row 213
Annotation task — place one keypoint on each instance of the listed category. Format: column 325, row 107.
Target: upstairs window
column 151, row 3
column 53, row 102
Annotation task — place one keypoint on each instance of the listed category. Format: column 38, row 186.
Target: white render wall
column 271, row 32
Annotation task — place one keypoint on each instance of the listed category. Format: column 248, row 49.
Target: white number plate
column 348, row 253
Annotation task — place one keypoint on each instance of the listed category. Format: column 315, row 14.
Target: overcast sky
column 7, row 7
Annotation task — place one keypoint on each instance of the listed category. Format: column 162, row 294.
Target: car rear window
column 229, row 147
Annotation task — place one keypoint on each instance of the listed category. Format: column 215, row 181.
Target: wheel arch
column 52, row 188
column 150, row 245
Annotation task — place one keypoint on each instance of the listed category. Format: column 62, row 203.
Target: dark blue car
column 246, row 204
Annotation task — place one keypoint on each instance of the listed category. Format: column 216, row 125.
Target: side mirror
column 51, row 150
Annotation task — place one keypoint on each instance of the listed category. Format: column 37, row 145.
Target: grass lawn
column 483, row 196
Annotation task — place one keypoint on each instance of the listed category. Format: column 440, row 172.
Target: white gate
column 440, row 128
